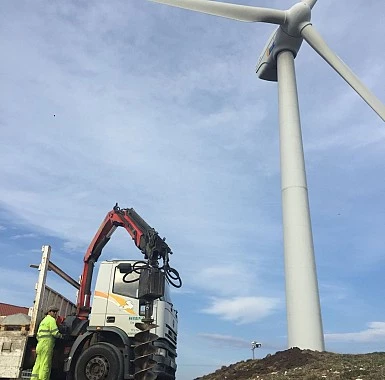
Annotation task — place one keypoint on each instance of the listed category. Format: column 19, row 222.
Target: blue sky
column 160, row 109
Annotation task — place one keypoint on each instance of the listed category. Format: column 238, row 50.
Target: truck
column 131, row 330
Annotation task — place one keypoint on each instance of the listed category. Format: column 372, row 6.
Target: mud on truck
column 130, row 332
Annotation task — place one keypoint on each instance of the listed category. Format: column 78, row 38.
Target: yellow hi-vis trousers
column 42, row 368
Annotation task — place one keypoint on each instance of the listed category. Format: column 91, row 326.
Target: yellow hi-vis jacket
column 48, row 329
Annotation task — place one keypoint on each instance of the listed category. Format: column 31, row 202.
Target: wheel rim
column 97, row 368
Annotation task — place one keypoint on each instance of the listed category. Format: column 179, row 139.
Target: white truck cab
column 115, row 303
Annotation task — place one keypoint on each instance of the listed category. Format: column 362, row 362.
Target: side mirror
column 125, row 268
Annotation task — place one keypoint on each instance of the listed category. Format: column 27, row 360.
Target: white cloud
column 73, row 246
column 228, row 280
column 374, row 333
column 333, row 292
column 242, row 310
column 23, row 236
column 235, row 342
column 226, row 340
column 17, row 287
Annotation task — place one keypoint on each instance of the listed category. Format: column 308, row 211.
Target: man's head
column 52, row 310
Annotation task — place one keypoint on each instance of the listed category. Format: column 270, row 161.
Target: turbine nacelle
column 294, row 24
column 279, row 41
column 285, row 37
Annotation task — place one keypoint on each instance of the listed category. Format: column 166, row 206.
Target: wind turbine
column 276, row 63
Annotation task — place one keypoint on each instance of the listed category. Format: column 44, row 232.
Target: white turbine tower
column 277, row 64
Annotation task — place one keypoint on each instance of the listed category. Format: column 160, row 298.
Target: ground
column 307, row 365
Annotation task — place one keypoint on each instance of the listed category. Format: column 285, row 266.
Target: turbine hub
column 297, row 17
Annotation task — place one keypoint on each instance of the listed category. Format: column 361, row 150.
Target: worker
column 46, row 335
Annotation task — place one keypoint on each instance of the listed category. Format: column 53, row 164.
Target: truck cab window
column 125, row 289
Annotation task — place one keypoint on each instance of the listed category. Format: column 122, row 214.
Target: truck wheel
column 101, row 361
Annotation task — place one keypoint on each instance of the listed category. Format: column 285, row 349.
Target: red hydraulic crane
column 145, row 238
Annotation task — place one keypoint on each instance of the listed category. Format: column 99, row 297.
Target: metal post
column 302, row 296
column 255, row 345
column 38, row 312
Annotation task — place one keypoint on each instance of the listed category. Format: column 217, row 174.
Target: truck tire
column 101, row 361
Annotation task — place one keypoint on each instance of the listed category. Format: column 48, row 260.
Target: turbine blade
column 228, row 10
column 310, row 34
column 310, row 3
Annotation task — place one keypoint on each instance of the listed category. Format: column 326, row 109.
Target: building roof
column 7, row 309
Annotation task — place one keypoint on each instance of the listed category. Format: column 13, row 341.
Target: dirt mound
column 283, row 360
column 305, row 364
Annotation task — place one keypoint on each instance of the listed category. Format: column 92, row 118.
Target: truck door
column 123, row 305
column 100, row 299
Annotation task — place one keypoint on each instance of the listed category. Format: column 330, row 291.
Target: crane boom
column 145, row 238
